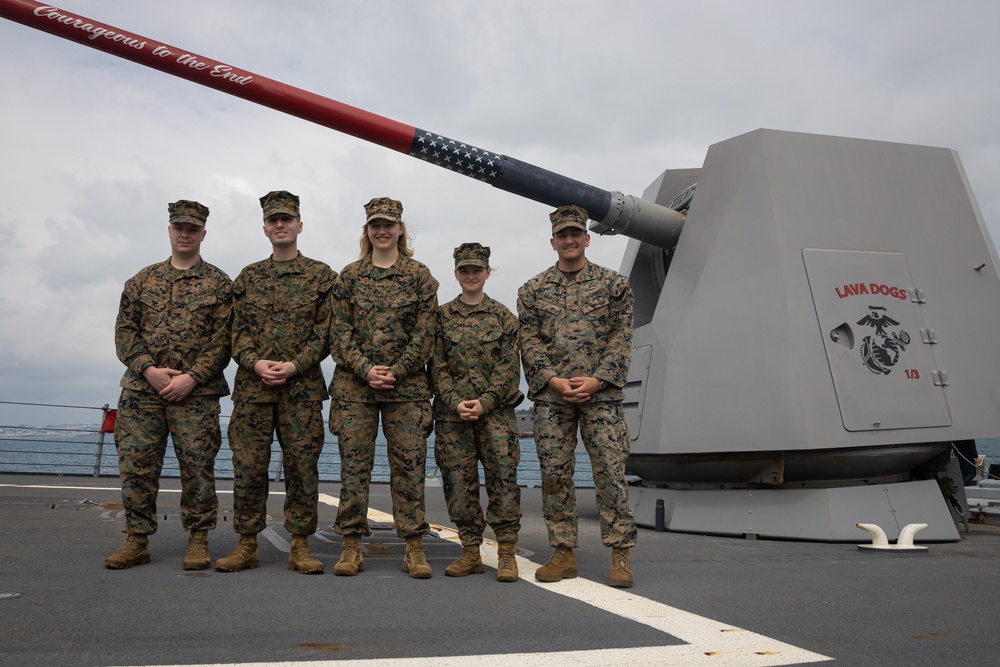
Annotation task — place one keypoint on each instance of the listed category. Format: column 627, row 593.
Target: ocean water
column 991, row 448
column 73, row 450
column 69, row 450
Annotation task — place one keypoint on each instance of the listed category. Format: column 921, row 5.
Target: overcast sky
column 94, row 147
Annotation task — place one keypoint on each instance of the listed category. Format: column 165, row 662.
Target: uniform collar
column 556, row 275
column 291, row 266
column 367, row 268
column 456, row 306
column 167, row 271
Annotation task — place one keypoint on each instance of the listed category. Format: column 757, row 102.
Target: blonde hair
column 402, row 243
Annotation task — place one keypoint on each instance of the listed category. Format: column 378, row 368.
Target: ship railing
column 85, row 446
column 88, row 447
column 985, row 465
column 58, row 449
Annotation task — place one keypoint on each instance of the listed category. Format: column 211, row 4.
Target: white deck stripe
column 686, row 656
column 708, row 642
column 100, row 488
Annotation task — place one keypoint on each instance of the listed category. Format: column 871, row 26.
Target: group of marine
column 180, row 321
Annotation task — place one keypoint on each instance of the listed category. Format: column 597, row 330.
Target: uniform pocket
column 335, row 417
column 303, row 301
column 549, row 317
column 549, row 307
column 363, row 307
column 426, row 418
column 403, row 307
column 594, row 300
column 596, row 307
column 202, row 301
column 154, row 302
column 492, row 335
column 454, row 334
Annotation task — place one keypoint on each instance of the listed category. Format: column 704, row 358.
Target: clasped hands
column 171, row 384
column 576, row 389
column 274, row 373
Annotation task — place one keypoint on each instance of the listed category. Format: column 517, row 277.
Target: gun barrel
column 612, row 211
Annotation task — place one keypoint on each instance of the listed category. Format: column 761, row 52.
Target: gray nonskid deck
column 724, row 600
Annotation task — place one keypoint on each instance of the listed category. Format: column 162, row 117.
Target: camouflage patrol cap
column 568, row 216
column 280, row 201
column 385, row 208
column 472, row 254
column 184, row 210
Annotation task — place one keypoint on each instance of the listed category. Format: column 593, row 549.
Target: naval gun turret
column 818, row 337
column 806, row 349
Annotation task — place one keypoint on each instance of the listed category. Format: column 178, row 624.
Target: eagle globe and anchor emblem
column 880, row 351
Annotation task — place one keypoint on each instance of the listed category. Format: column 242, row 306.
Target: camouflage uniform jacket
column 581, row 328
column 173, row 319
column 281, row 312
column 383, row 317
column 475, row 357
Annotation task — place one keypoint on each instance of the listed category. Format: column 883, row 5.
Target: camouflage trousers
column 459, row 447
column 299, row 427
column 606, row 439
column 406, row 425
column 144, row 420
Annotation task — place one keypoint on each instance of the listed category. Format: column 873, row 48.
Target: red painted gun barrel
column 613, row 212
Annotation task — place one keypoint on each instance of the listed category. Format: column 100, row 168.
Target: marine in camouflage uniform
column 382, row 337
column 172, row 334
column 281, row 316
column 576, row 346
column 476, row 373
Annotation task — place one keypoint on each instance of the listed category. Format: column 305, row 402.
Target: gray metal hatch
column 877, row 345
column 635, row 389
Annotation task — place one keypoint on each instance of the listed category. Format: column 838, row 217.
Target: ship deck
column 698, row 600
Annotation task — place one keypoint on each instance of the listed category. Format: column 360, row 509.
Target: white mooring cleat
column 904, row 544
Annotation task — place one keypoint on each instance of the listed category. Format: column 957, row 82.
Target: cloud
column 607, row 93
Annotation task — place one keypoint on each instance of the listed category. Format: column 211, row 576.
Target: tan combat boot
column 197, row 557
column 561, row 565
column 506, row 562
column 300, row 558
column 244, row 556
column 350, row 562
column 470, row 562
column 135, row 551
column 415, row 562
column 621, row 568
